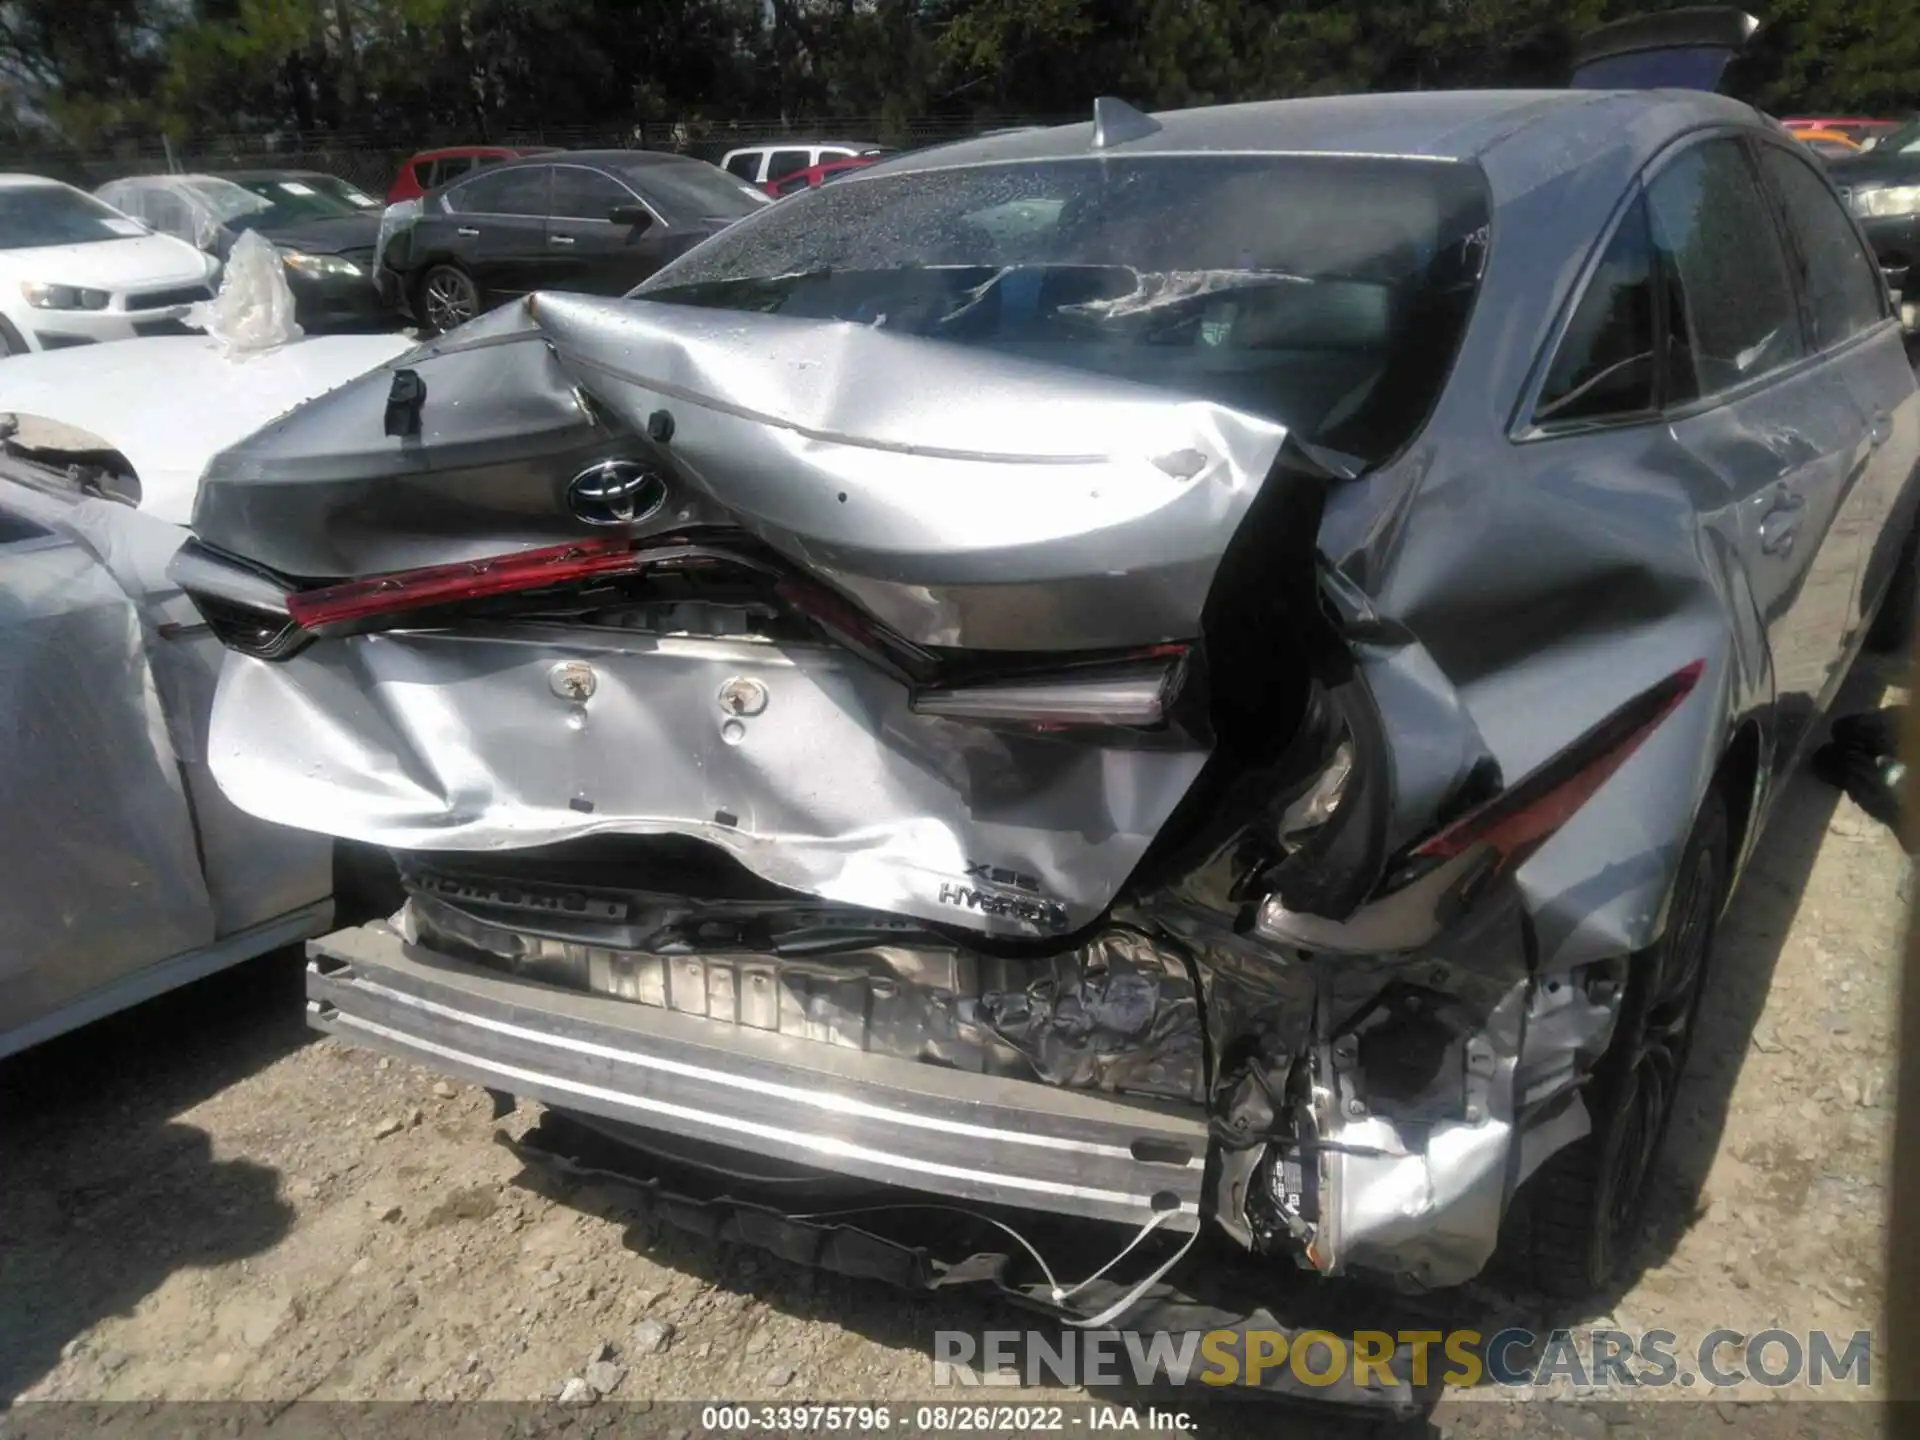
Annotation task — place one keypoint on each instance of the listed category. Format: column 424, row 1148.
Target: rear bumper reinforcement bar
column 900, row 1122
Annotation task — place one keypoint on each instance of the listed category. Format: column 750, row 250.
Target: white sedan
column 74, row 271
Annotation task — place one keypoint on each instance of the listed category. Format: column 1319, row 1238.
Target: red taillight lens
column 1522, row 817
column 469, row 580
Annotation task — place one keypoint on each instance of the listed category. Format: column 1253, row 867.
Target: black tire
column 1585, row 1206
column 445, row 298
column 366, row 884
column 1892, row 627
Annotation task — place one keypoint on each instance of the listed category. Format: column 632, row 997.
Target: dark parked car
column 598, row 221
column 323, row 227
column 1882, row 188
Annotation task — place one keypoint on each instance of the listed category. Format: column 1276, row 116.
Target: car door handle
column 1781, row 524
column 468, row 231
column 1881, row 428
column 561, row 239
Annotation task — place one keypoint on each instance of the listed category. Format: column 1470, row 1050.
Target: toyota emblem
column 616, row 492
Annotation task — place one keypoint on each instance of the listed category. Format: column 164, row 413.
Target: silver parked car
column 1211, row 672
column 124, row 871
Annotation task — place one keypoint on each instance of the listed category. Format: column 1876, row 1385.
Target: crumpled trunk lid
column 961, row 498
column 994, row 522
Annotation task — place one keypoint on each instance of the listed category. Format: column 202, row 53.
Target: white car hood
column 168, row 405
column 139, row 262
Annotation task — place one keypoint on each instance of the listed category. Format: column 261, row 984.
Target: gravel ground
column 203, row 1202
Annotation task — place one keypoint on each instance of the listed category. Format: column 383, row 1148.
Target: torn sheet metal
column 461, row 741
column 964, row 499
column 1121, row 1013
column 1413, row 1114
column 1420, row 1194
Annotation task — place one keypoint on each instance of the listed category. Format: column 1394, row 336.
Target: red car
column 1853, row 127
column 435, row 167
column 819, row 174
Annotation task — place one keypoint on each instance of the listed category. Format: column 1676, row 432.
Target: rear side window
column 745, row 165
column 1737, row 317
column 1841, row 284
column 502, row 192
column 1605, row 367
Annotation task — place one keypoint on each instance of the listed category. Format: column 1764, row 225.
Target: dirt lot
column 202, row 1202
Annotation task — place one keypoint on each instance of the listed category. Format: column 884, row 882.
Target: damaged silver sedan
column 1211, row 672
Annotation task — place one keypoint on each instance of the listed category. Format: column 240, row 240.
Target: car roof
column 454, row 152
column 1560, row 130
column 801, row 143
column 260, row 175
column 628, row 160
column 22, row 182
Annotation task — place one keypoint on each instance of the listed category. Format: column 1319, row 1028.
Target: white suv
column 763, row 164
column 74, row 271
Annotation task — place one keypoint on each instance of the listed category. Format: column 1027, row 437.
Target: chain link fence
column 372, row 160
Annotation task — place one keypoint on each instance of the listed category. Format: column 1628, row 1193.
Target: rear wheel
column 366, row 883
column 447, row 298
column 1587, row 1203
column 1893, row 625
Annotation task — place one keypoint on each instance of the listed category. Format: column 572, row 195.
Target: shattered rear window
column 1326, row 292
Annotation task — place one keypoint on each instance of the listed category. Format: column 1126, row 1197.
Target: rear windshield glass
column 33, row 215
column 1327, row 293
column 694, row 189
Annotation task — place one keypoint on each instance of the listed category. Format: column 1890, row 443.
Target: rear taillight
column 1426, row 889
column 255, row 614
column 382, row 595
column 1521, row 818
column 1132, row 693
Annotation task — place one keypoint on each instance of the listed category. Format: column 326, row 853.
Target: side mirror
column 638, row 216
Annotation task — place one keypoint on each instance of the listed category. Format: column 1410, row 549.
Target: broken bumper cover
column 902, row 1123
column 958, row 1255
